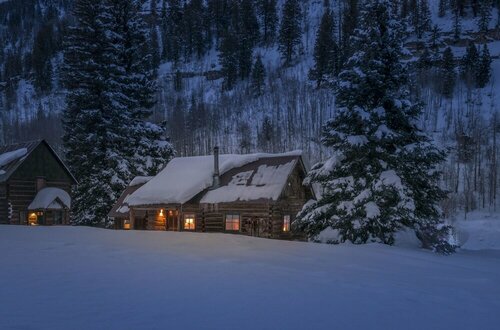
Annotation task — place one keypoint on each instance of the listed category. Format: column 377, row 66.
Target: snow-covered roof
column 139, row 180
column 120, row 208
column 10, row 156
column 264, row 182
column 185, row 177
column 50, row 198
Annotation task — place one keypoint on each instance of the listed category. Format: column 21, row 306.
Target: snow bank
column 88, row 278
column 481, row 231
column 10, row 156
column 47, row 198
column 184, row 177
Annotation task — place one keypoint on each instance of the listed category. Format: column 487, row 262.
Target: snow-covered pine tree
column 483, row 70
column 290, row 30
column 85, row 124
column 382, row 177
column 145, row 149
column 111, row 90
column 325, row 50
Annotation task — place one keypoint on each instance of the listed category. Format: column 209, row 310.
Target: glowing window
column 32, row 219
column 232, row 222
column 189, row 222
column 286, row 223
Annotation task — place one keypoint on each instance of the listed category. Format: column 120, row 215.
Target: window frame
column 232, row 215
column 189, row 216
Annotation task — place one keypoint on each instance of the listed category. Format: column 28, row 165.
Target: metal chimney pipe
column 216, row 167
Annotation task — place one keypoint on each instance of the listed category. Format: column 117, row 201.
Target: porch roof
column 50, row 198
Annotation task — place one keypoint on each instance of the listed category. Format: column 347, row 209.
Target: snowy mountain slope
column 157, row 280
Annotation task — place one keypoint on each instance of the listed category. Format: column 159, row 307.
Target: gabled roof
column 185, row 177
column 120, row 208
column 50, row 198
column 23, row 150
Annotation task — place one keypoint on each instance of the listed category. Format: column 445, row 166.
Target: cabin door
column 171, row 221
column 255, row 227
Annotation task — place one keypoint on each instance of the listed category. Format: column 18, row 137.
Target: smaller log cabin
column 256, row 194
column 35, row 185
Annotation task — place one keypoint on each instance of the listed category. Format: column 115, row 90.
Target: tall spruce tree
column 326, row 57
column 269, row 17
column 484, row 15
column 468, row 65
column 134, row 74
column 85, row 122
column 383, row 174
column 483, row 70
column 110, row 93
column 349, row 24
column 258, row 76
column 448, row 73
column 290, row 30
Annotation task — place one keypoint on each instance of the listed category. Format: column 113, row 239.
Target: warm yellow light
column 126, row 226
column 161, row 212
column 170, row 212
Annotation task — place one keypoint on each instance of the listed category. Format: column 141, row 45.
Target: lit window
column 33, row 219
column 189, row 222
column 232, row 222
column 286, row 223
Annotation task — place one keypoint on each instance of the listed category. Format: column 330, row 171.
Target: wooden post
column 132, row 218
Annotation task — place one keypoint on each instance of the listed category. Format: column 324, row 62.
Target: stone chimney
column 216, row 178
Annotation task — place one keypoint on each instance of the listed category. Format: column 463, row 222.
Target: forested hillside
column 258, row 75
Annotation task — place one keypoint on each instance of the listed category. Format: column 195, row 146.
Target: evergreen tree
column 325, row 51
column 484, row 15
column 43, row 49
column 249, row 23
column 421, row 18
column 442, row 8
column 269, row 17
column 174, row 31
column 290, row 30
column 258, row 76
column 110, row 93
column 383, row 175
column 85, row 126
column 447, row 73
column 349, row 24
column 146, row 148
column 228, row 58
column 457, row 25
column 468, row 65
column 483, row 74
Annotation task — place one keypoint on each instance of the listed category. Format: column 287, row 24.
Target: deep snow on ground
column 87, row 278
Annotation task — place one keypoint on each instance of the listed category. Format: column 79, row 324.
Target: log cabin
column 35, row 185
column 255, row 194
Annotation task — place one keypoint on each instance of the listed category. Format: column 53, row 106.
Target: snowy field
column 86, row 278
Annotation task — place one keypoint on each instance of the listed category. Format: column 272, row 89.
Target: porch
column 161, row 217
